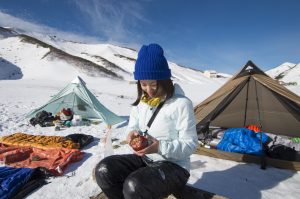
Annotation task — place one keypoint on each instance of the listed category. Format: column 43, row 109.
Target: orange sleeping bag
column 55, row 160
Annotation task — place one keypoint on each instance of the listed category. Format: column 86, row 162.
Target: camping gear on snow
column 239, row 157
column 12, row 180
column 81, row 101
column 296, row 140
column 54, row 160
column 254, row 128
column 37, row 179
column 43, row 118
column 38, row 141
column 53, row 153
column 65, row 114
column 76, row 121
column 283, row 152
column 242, row 140
column 58, row 125
column 82, row 139
column 251, row 98
column 106, row 144
column 72, row 141
column 283, row 140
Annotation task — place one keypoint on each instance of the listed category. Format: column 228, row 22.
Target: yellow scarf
column 153, row 102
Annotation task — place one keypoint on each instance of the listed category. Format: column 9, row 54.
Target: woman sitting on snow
column 162, row 168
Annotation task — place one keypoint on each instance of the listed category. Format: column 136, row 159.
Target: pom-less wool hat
column 151, row 64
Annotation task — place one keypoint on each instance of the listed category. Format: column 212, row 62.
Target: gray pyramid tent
column 82, row 102
column 252, row 98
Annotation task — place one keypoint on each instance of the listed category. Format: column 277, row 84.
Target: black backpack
column 82, row 139
column 280, row 151
column 42, row 118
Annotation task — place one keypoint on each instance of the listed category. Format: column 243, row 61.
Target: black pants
column 133, row 177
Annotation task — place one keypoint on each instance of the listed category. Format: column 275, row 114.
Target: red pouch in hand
column 139, row 142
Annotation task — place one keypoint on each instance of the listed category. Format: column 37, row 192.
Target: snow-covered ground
column 227, row 178
column 28, row 80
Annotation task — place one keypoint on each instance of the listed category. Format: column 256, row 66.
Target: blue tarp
column 242, row 140
column 12, row 179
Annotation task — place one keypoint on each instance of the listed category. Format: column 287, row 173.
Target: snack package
column 139, row 142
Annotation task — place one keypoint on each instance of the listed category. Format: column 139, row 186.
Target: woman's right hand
column 131, row 135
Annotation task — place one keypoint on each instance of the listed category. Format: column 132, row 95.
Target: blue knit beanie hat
column 151, row 64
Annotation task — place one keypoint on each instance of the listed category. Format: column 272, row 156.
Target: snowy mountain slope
column 287, row 73
column 83, row 65
column 7, row 32
column 48, row 54
column 45, row 53
column 54, row 52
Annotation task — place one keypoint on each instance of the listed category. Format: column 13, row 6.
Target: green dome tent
column 82, row 102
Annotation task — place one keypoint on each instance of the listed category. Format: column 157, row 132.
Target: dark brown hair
column 165, row 85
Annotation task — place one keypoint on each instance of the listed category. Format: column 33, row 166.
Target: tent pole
column 73, row 102
column 245, row 115
column 263, row 157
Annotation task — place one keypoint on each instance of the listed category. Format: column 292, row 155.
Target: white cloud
column 115, row 20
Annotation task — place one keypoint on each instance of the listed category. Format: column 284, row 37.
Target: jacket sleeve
column 187, row 141
column 133, row 123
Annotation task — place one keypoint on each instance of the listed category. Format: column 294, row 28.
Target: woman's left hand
column 152, row 148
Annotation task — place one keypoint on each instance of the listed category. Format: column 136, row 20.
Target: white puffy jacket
column 174, row 127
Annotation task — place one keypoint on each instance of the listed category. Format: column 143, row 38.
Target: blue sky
column 203, row 34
